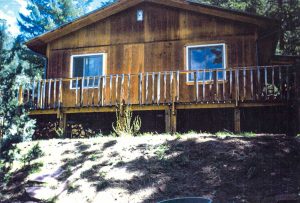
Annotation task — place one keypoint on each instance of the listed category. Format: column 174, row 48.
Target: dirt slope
column 153, row 168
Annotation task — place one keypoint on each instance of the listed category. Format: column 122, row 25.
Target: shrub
column 125, row 124
column 34, row 153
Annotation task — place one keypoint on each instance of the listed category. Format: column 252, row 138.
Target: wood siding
column 156, row 44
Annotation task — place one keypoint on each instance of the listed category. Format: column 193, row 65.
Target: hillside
column 153, row 168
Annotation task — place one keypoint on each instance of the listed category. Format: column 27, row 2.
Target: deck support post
column 237, row 120
column 171, row 120
column 63, row 122
column 294, row 117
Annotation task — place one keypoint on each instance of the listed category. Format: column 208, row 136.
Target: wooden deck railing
column 236, row 85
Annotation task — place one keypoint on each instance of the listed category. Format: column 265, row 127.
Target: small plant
column 161, row 151
column 248, row 134
column 224, row 134
column 59, row 132
column 126, row 125
column 34, row 153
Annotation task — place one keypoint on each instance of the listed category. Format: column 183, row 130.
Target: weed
column 126, row 125
column 72, row 188
column 34, row 153
column 35, row 168
column 160, row 151
column 248, row 134
column 224, row 134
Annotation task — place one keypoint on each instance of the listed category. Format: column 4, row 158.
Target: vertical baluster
column 224, row 84
column 258, row 84
column 140, row 88
column 60, row 93
column 20, row 95
column 280, row 82
column 117, row 88
column 196, row 86
column 273, row 82
column 230, row 84
column 33, row 93
column 110, row 88
column 171, row 87
column 54, row 93
column 178, row 86
column 129, row 89
column 44, row 94
column 49, row 93
column 122, row 88
column 147, row 83
column 266, row 82
column 28, row 93
column 104, row 90
column 158, row 88
column 165, row 87
column 203, row 85
column 210, row 83
column 88, row 90
column 76, row 92
column 153, row 87
column 252, row 85
column 244, row 83
column 81, row 92
column 93, row 91
column 217, row 85
column 100, row 90
column 38, row 94
column 288, row 82
column 237, row 86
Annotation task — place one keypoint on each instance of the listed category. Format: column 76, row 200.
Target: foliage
column 34, row 153
column 16, row 125
column 125, row 125
column 161, row 150
column 287, row 12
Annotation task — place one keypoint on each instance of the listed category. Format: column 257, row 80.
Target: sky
column 9, row 10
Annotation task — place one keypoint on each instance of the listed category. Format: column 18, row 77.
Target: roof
column 39, row 43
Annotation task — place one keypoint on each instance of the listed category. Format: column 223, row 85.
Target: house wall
column 156, row 44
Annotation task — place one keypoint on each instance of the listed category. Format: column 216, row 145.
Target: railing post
column 237, row 87
column 60, row 93
column 237, row 120
column 20, row 95
column 141, row 88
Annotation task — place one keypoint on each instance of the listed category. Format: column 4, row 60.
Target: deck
column 218, row 88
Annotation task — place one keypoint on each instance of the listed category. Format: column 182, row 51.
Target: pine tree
column 17, row 126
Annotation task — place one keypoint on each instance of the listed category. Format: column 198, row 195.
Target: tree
column 287, row 12
column 17, row 126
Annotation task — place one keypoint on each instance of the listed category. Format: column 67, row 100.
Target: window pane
column 77, row 67
column 88, row 66
column 206, row 57
column 93, row 67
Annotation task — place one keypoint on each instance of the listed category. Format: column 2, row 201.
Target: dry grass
column 152, row 168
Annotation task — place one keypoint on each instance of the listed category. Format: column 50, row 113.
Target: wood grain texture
column 155, row 44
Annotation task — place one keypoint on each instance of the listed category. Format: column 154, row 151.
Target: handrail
column 255, row 83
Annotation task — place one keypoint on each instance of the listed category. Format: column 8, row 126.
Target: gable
column 38, row 44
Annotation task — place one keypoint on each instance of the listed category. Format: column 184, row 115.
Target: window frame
column 104, row 66
column 187, row 51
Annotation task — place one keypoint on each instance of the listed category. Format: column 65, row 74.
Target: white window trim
column 204, row 45
column 82, row 55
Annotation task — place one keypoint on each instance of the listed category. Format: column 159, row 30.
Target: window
column 140, row 15
column 206, row 57
column 90, row 65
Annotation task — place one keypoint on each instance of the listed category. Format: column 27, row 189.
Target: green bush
column 34, row 153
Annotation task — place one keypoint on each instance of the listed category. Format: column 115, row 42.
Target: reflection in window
column 87, row 66
column 206, row 57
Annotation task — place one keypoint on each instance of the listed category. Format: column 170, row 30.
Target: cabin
column 179, row 64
